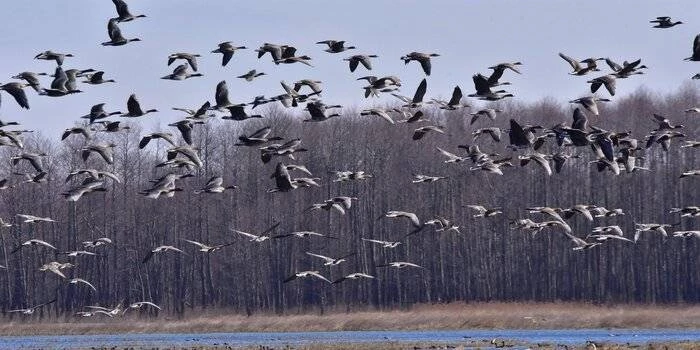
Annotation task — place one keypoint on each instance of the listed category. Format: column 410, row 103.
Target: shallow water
column 459, row 337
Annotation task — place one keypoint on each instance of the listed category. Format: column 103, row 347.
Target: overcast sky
column 469, row 35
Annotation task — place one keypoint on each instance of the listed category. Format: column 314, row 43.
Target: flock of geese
column 613, row 151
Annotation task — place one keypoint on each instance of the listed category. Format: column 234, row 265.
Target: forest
column 485, row 260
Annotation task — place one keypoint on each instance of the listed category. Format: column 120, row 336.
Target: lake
column 457, row 337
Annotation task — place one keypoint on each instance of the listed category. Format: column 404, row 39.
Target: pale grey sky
column 469, row 36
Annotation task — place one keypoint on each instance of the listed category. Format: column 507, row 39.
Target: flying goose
column 400, row 264
column 354, row 60
column 257, row 138
column 140, row 304
column 261, row 237
column 97, row 78
column 287, row 149
column 31, row 218
column 660, row 228
column 227, row 49
column 53, row 56
column 403, row 214
column 156, row 135
column 160, row 249
column 80, row 280
column 443, row 224
column 417, row 99
column 317, row 110
column 237, row 112
column 221, row 96
column 384, row 244
column 376, row 85
column 134, row 108
column 494, row 132
column 579, row 243
column 181, row 73
column 607, row 80
column 295, row 59
column 335, row 46
column 689, row 211
column 214, row 185
column 88, row 186
column 111, row 312
column 115, row 34
column 492, row 166
column 491, row 113
column 590, row 103
column 189, row 57
column 498, row 70
column 56, row 268
column 455, row 101
column 275, row 51
column 34, row 242
column 93, row 174
column 627, row 69
column 16, row 90
column 483, row 212
column 123, row 11
column 104, row 150
column 97, row 242
column 353, row 276
column 420, row 178
column 539, row 158
column 378, row 112
column 576, row 65
column 451, row 157
column 187, row 151
column 305, row 274
column 252, row 74
column 690, row 173
column 422, row 58
column 328, row 261
column 347, row 175
column 76, row 130
column 30, row 310
column 31, row 78
column 687, row 234
column 303, row 234
column 33, row 158
column 98, row 112
column 664, row 22
column 208, row 248
column 420, row 132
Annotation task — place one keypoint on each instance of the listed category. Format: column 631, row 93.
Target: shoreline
column 454, row 316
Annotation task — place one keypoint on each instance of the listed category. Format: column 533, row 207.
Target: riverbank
column 420, row 317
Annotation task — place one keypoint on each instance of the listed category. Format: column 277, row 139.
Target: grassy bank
column 428, row 317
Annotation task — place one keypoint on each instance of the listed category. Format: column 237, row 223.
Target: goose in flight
column 417, row 100
column 111, row 312
column 664, row 22
column 33, row 158
column 422, row 58
column 257, row 138
column 115, row 34
column 687, row 173
column 34, row 242
column 30, row 310
column 215, row 185
column 317, row 110
column 420, row 178
column 88, row 186
column 56, row 268
column 539, row 158
column 261, row 237
column 376, row 85
column 237, row 112
column 400, row 265
column 483, row 212
column 98, row 112
column 335, row 46
column 104, row 150
column 689, row 211
column 189, row 57
column 31, row 218
column 687, row 234
column 579, row 243
column 97, row 78
column 97, row 242
column 16, row 91
column 305, row 274
column 328, row 261
column 349, row 175
column 451, row 157
column 420, row 132
column 252, row 74
column 134, row 108
column 384, row 244
column 606, row 80
column 304, row 234
column 659, row 228
column 490, row 113
column 443, row 225
column 181, row 73
column 413, row 218
column 227, row 49
column 601, row 237
column 75, row 253
column 208, row 248
column 141, row 304
column 185, row 128
column 31, row 78
column 454, row 103
column 355, row 60
column 78, row 131
column 590, row 103
column 53, row 56
column 353, row 276
column 378, row 112
column 93, row 174
column 123, row 11
column 80, row 280
column 494, row 132
column 160, row 249
column 166, row 136
column 591, row 65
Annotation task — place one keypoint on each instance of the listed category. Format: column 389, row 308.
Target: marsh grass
column 419, row 317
